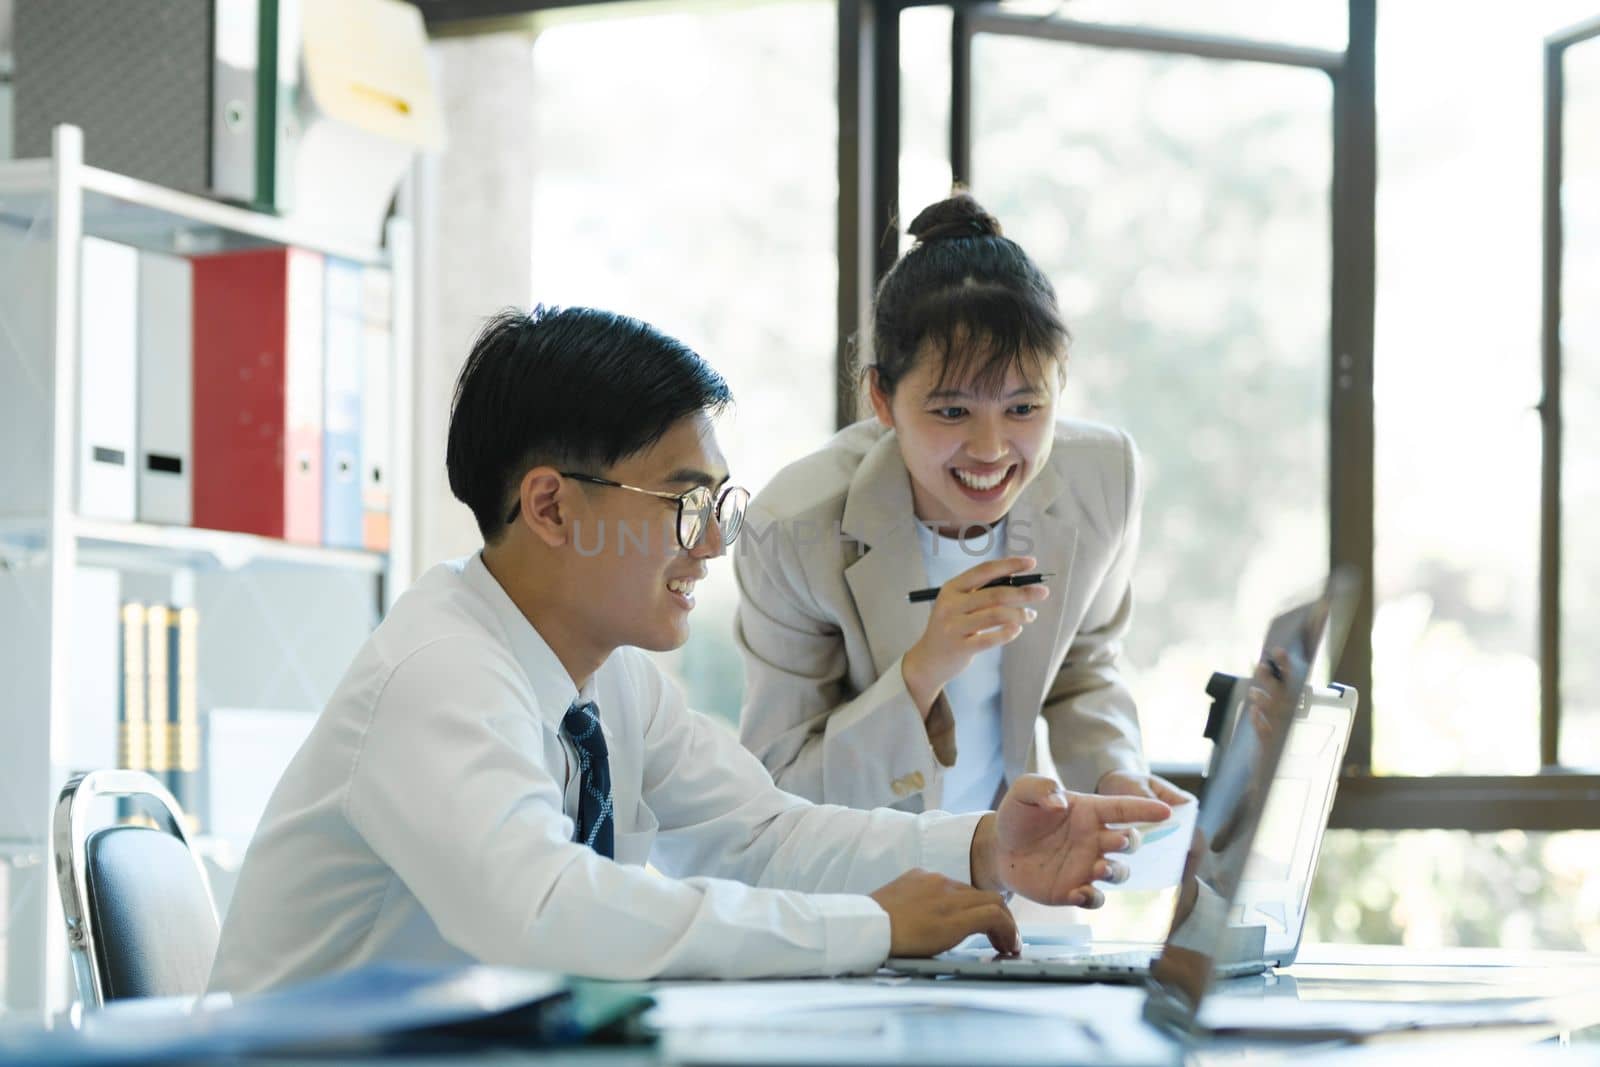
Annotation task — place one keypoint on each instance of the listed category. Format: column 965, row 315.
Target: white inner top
column 974, row 694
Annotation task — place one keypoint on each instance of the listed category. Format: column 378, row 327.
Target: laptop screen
column 1277, row 880
column 1230, row 812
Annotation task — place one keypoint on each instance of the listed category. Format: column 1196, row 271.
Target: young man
column 490, row 777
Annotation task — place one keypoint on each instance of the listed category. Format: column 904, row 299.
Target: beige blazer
column 827, row 555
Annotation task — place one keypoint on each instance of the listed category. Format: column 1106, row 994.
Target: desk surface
column 1006, row 1020
column 1333, row 978
column 1339, row 977
column 1361, row 972
column 1555, row 994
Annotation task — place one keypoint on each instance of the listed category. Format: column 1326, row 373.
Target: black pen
column 922, row 596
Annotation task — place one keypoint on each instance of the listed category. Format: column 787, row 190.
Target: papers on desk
column 800, row 1005
column 1457, row 1050
column 1291, row 1018
column 896, row 1023
column 873, row 1021
column 774, row 1003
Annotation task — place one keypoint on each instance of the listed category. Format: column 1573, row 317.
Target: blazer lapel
column 878, row 515
column 1025, row 667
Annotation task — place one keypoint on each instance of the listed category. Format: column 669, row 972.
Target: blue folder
column 375, row 1010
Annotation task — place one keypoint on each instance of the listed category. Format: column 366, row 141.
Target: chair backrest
column 140, row 918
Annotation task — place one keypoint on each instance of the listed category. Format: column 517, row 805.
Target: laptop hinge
column 1242, row 944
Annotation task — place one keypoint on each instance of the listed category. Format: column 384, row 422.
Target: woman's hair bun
column 957, row 216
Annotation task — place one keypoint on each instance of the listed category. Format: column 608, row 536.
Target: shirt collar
column 552, row 686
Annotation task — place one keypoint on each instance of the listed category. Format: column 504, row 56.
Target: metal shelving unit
column 144, row 546
column 134, row 212
column 56, row 202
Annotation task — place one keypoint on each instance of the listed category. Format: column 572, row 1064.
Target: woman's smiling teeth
column 682, row 586
column 983, row 482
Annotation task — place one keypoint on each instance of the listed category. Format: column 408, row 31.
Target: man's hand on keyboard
column 929, row 913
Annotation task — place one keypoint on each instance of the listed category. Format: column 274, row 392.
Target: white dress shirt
column 974, row 694
column 428, row 818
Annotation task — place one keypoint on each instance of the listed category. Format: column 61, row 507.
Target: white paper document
column 1287, row 1015
column 1158, row 864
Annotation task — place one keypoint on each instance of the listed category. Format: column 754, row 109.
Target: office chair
column 140, row 918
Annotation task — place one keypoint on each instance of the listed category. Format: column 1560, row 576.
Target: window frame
column 1556, row 47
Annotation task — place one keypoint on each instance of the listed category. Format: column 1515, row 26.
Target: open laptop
column 1246, row 883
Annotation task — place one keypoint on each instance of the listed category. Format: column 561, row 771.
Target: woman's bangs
column 986, row 336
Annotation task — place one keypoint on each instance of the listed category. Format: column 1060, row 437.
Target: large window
column 1458, row 462
column 1184, row 222
column 1455, row 657
column 685, row 175
column 1440, row 888
column 924, row 111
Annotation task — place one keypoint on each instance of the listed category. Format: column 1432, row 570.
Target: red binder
column 257, row 451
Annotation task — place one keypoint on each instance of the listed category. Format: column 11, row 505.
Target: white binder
column 377, row 405
column 166, row 359
column 108, row 325
column 302, row 388
column 96, row 658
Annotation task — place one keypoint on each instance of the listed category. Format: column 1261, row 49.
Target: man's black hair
column 572, row 387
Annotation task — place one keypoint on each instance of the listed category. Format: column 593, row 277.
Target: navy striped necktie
column 582, row 727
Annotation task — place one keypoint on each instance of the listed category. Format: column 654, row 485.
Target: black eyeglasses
column 696, row 508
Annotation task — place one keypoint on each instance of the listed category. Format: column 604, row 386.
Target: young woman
column 857, row 696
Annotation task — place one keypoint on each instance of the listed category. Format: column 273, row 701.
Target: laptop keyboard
column 1138, row 959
